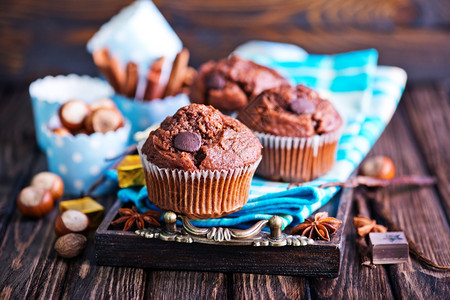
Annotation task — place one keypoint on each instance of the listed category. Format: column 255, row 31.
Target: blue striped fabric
column 364, row 93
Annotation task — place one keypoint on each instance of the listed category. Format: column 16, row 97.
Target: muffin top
column 199, row 137
column 230, row 83
column 291, row 111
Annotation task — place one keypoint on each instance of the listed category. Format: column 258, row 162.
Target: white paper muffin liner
column 294, row 159
column 198, row 194
column 47, row 95
column 142, row 114
column 82, row 159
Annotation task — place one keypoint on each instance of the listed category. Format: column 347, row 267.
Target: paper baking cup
column 198, row 194
column 293, row 159
column 82, row 159
column 142, row 114
column 47, row 95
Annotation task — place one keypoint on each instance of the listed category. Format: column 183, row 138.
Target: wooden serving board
column 125, row 248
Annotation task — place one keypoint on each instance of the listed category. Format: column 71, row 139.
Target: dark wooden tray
column 119, row 248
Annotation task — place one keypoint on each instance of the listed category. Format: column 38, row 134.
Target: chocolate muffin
column 231, row 83
column 298, row 130
column 200, row 162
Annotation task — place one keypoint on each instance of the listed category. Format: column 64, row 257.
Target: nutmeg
column 70, row 245
column 34, row 201
column 49, row 181
column 71, row 221
column 380, row 167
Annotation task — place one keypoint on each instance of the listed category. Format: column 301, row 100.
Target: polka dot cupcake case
column 47, row 95
column 82, row 159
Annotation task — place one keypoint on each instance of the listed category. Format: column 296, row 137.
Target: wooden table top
column 417, row 139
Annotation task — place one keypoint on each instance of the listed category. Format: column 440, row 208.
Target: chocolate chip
column 215, row 81
column 187, row 141
column 302, row 106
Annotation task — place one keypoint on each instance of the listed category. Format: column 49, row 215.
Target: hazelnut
column 72, row 114
column 70, row 245
column 104, row 120
column 61, row 131
column 34, row 201
column 49, row 181
column 102, row 103
column 380, row 167
column 71, row 221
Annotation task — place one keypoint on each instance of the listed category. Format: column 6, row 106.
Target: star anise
column 321, row 227
column 131, row 218
column 365, row 225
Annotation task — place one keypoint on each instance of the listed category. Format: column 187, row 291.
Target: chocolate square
column 388, row 247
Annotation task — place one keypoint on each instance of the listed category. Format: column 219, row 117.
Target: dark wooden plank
column 30, row 266
column 254, row 286
column 17, row 137
column 315, row 13
column 85, row 279
column 17, row 151
column 44, row 38
column 288, row 287
column 419, row 213
column 400, row 47
column 428, row 108
column 408, row 208
column 355, row 281
column 186, row 285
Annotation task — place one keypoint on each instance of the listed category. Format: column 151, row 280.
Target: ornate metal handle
column 223, row 235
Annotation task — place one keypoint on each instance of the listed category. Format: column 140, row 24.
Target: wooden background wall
column 40, row 37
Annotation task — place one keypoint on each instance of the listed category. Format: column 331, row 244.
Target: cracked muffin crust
column 290, row 111
column 231, row 83
column 224, row 143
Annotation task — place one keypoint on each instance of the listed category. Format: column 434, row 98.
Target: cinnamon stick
column 188, row 80
column 178, row 73
column 109, row 67
column 129, row 88
column 374, row 182
column 153, row 89
column 118, row 72
column 101, row 60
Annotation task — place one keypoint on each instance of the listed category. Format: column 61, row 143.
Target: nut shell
column 380, row 167
column 34, row 202
column 71, row 221
column 49, row 181
column 104, row 120
column 61, row 131
column 70, row 245
column 72, row 114
column 102, row 103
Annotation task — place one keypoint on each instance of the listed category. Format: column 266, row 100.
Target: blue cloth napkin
column 365, row 94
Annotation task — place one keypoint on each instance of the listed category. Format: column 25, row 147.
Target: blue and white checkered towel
column 364, row 93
